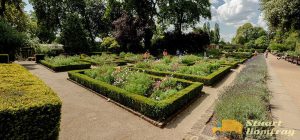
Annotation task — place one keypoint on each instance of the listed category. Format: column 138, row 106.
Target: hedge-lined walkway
column 284, row 84
column 88, row 116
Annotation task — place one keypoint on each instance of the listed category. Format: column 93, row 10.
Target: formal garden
column 150, row 58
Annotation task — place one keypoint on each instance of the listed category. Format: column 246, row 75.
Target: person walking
column 266, row 53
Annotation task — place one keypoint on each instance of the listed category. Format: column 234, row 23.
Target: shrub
column 277, row 46
column 28, row 108
column 74, row 36
column 11, row 40
column 189, row 59
column 110, row 44
column 214, row 53
column 4, row 58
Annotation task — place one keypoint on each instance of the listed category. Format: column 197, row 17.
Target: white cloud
column 237, row 12
column 261, row 22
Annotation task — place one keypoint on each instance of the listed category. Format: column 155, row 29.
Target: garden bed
column 61, row 63
column 155, row 97
column 194, row 69
column 28, row 107
column 207, row 80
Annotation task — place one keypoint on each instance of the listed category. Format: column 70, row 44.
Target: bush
column 74, row 36
column 248, row 98
column 110, row 44
column 189, row 59
column 158, row 110
column 277, row 46
column 4, row 58
column 11, row 40
column 214, row 53
column 28, row 108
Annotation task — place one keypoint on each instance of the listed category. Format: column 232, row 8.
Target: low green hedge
column 4, row 58
column 28, row 108
column 158, row 110
column 207, row 80
column 65, row 68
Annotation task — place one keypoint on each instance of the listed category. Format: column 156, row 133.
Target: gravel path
column 284, row 84
column 86, row 116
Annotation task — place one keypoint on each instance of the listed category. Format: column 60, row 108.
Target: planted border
column 29, row 109
column 118, row 62
column 207, row 80
column 157, row 110
column 65, row 68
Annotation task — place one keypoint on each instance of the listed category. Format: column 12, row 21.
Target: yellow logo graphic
column 228, row 126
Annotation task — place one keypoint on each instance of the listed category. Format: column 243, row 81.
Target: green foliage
column 183, row 13
column 138, row 83
column 214, row 53
column 28, row 107
column 281, row 14
column 110, row 44
column 210, row 79
column 63, row 60
column 4, row 58
column 101, row 59
column 49, row 49
column 262, row 42
column 158, row 110
column 277, row 46
column 74, row 36
column 189, row 59
column 247, row 99
column 103, row 73
column 63, row 63
column 10, row 39
column 248, row 34
column 201, row 69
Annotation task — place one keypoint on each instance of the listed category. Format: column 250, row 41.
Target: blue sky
column 230, row 14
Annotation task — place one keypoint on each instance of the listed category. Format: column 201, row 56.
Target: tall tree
column 282, row 14
column 183, row 13
column 217, row 34
column 247, row 34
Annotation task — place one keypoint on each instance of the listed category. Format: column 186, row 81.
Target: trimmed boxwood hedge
column 28, row 108
column 4, row 58
column 157, row 110
column 207, row 80
column 67, row 67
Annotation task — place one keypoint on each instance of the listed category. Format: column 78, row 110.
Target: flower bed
column 99, row 60
column 62, row 63
column 28, row 108
column 248, row 98
column 205, row 72
column 152, row 96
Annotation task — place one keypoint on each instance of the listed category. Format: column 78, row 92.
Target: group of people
column 165, row 53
